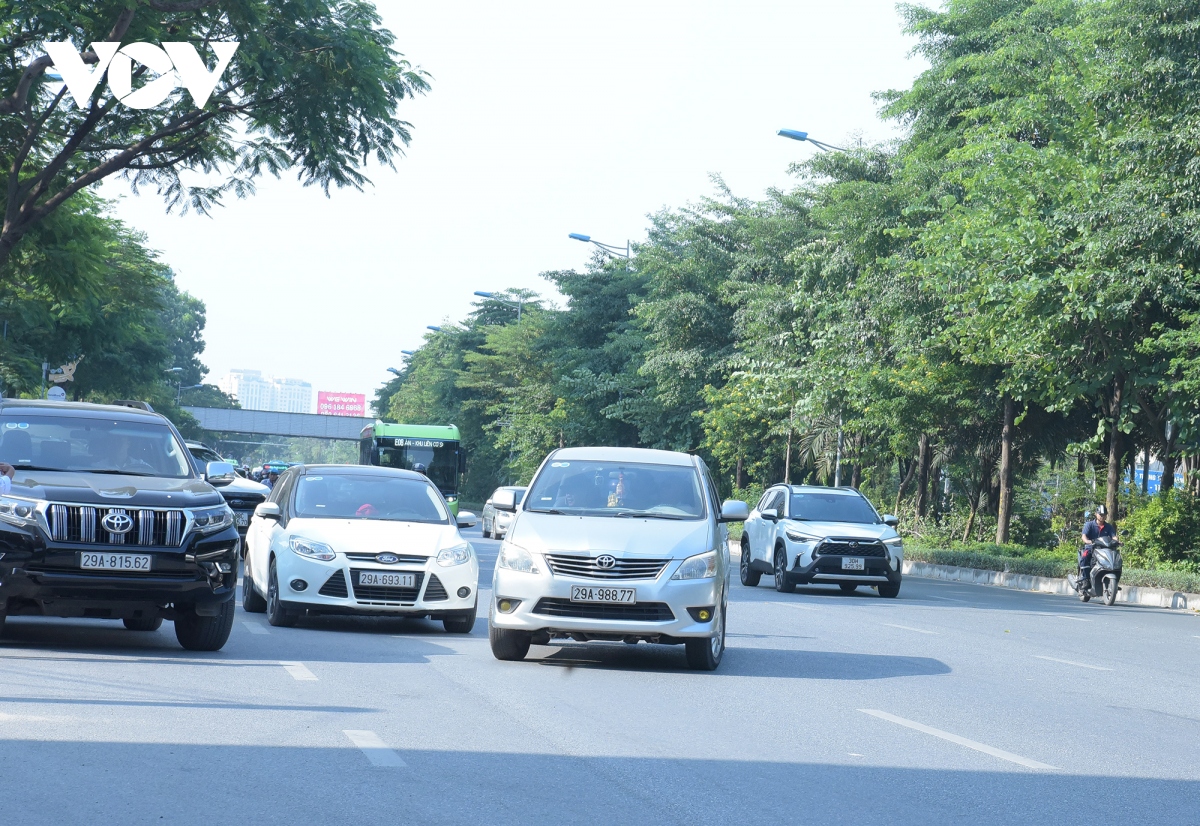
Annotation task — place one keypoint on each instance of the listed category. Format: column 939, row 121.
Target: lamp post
column 409, row 353
column 609, row 249
column 395, row 372
column 797, row 135
column 433, row 327
column 492, row 297
column 180, row 388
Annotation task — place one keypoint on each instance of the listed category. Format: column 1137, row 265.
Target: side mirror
column 488, row 502
column 890, row 521
column 733, row 510
column 466, row 519
column 219, row 474
column 504, row 500
column 268, row 510
column 770, row 514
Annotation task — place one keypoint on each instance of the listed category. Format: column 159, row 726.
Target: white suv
column 804, row 534
column 616, row 544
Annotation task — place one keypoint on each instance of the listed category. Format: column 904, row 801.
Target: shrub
column 1163, row 529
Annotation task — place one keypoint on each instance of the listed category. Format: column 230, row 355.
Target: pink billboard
column 341, row 404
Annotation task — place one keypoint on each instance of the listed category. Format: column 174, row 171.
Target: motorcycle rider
column 1093, row 530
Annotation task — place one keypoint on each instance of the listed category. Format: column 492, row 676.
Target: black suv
column 109, row 518
column 242, row 495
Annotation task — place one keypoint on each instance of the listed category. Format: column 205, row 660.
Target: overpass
column 270, row 423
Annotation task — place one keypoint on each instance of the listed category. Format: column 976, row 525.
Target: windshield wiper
column 554, row 511
column 35, row 467
column 651, row 515
column 114, row 472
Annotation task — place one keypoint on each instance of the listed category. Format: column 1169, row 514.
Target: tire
column 252, row 601
column 705, row 653
column 143, row 623
column 204, row 633
column 487, row 534
column 782, row 585
column 890, row 590
column 2, row 618
column 509, row 644
column 1110, row 590
column 460, row 623
column 1084, row 596
column 848, row 587
column 750, row 577
column 277, row 615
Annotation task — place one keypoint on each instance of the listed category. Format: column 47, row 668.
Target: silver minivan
column 615, row 544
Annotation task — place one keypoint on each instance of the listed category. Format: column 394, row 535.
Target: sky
column 544, row 118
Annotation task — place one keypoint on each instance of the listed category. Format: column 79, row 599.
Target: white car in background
column 802, row 534
column 355, row 539
column 495, row 523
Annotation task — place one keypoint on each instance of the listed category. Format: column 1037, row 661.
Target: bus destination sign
column 406, row 442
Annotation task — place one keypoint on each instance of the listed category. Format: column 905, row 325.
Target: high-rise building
column 256, row 391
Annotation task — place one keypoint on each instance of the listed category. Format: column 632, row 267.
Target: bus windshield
column 439, row 460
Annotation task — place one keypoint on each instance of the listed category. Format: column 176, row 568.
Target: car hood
column 244, row 487
column 118, row 491
column 856, row 530
column 374, row 536
column 550, row 533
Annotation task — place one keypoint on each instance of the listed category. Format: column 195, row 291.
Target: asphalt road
column 952, row 704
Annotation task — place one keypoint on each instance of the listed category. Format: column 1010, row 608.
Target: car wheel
column 461, row 622
column 277, row 615
column 2, row 618
column 252, row 601
column 891, row 590
column 143, row 623
column 782, row 585
column 848, row 587
column 509, row 643
column 487, row 533
column 704, row 654
column 748, row 575
column 196, row 633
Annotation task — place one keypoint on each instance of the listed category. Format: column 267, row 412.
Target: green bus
column 436, row 447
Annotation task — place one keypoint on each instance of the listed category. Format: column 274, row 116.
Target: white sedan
column 354, row 539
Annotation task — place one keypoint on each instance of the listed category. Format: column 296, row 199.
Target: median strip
column 298, row 670
column 962, row 741
column 1071, row 662
column 375, row 749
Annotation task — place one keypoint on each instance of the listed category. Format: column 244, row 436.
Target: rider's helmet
column 1102, row 510
column 420, row 468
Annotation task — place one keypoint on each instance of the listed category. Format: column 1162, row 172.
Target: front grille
column 335, row 586
column 586, row 567
column 245, row 501
column 638, row 612
column 435, row 591
column 850, row 547
column 85, row 524
column 380, row 593
column 406, row 559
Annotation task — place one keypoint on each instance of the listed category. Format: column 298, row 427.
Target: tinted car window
column 204, row 455
column 347, row 496
column 98, row 445
column 598, row 488
column 832, row 507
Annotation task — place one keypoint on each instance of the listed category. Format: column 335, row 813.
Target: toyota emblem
column 606, row 562
column 117, row 522
column 387, row 559
column 853, row 544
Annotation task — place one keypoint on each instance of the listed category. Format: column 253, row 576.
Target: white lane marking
column 907, row 628
column 947, row 599
column 376, row 750
column 1071, row 662
column 794, row 605
column 962, row 741
column 298, row 670
column 1077, row 619
column 254, row 627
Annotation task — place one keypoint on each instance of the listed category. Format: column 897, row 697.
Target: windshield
column 832, row 507
column 204, row 455
column 438, row 459
column 91, row 445
column 347, row 496
column 594, row 488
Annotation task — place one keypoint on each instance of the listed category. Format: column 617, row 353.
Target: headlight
column 208, row 520
column 17, row 511
column 796, row 536
column 452, row 499
column 895, row 542
column 516, row 558
column 700, row 566
column 311, row 549
column 454, row 556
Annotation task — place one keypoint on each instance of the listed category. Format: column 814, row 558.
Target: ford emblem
column 117, row 522
column 606, row 562
column 387, row 559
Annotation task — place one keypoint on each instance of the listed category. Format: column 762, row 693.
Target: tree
column 314, row 87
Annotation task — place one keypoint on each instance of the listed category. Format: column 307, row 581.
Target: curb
column 1132, row 594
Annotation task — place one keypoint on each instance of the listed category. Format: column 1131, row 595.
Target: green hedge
column 1171, row 580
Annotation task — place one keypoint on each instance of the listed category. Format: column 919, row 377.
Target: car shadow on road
column 744, row 662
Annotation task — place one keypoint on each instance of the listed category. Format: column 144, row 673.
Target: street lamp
column 394, row 371
column 179, row 388
column 492, row 297
column 433, row 327
column 615, row 252
column 797, row 135
column 409, row 352
column 173, row 370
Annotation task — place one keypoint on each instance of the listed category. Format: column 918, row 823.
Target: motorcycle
column 1105, row 574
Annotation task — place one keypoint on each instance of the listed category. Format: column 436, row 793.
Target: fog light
column 507, row 606
column 702, row 614
column 298, row 584
column 464, row 592
column 225, row 567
